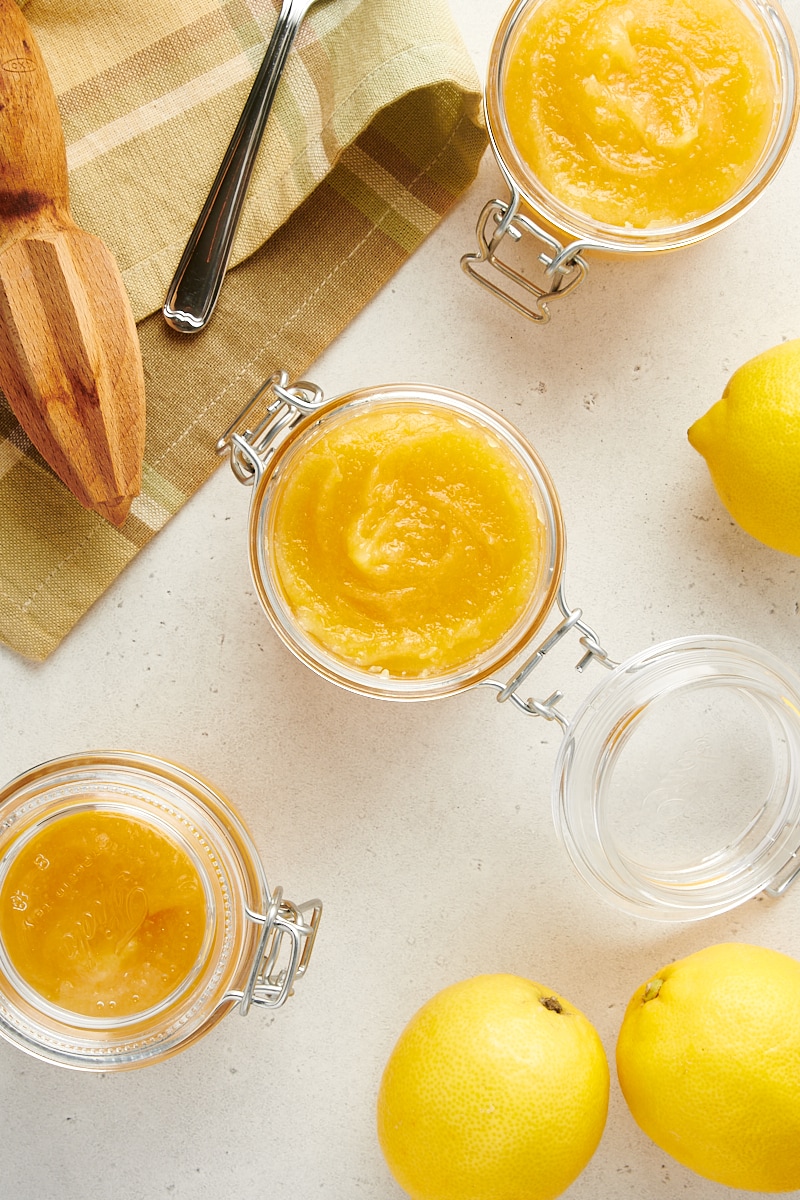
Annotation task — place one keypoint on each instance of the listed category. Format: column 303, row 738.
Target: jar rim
column 591, row 234
column 627, row 831
column 200, row 821
column 383, row 685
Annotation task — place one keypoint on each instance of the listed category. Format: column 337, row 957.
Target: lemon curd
column 406, row 539
column 102, row 914
column 640, row 113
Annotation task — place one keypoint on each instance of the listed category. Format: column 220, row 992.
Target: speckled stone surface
column 426, row 829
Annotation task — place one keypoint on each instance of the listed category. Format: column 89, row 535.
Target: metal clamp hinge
column 277, row 407
column 284, row 947
column 564, row 267
column 593, row 651
column 788, row 875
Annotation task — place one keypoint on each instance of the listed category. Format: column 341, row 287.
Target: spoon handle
column 197, row 282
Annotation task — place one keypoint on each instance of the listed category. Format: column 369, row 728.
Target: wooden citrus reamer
column 70, row 363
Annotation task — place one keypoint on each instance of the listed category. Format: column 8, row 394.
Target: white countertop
column 426, row 829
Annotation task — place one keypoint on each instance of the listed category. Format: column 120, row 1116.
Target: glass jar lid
column 676, row 790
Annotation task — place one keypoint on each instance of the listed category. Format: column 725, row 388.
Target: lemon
column 708, row 1059
column 750, row 440
column 497, row 1089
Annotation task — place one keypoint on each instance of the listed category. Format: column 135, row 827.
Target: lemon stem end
column 652, row 989
column 552, row 1002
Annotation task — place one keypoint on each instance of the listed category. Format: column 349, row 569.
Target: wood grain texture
column 70, row 363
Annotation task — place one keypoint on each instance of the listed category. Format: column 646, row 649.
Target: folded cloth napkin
column 375, row 131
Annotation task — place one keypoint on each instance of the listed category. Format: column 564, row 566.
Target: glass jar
column 677, row 787
column 252, row 944
column 564, row 236
column 676, row 790
column 267, row 456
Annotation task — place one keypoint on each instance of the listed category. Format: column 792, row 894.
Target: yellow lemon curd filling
column 102, row 914
column 640, row 113
column 406, row 540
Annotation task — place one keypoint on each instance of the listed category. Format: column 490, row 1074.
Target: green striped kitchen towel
column 375, row 131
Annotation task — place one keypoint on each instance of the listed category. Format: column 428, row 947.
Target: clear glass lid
column 677, row 787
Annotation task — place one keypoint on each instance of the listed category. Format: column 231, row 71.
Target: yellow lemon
column 496, row 1090
column 750, row 440
column 708, row 1059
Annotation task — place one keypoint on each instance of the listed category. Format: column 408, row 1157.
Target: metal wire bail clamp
column 572, row 618
column 564, row 267
column 288, row 933
column 276, row 407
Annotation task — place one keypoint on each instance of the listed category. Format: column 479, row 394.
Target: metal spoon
column 197, row 282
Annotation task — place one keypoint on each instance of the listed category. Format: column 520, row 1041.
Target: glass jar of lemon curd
column 627, row 127
column 407, row 543
column 134, row 913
